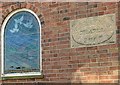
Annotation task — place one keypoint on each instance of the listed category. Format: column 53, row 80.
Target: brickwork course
column 60, row 62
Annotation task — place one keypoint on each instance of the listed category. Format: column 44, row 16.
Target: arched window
column 21, row 44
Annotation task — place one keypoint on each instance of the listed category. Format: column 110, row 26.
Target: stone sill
column 23, row 77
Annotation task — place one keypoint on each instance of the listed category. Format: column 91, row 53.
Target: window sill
column 23, row 77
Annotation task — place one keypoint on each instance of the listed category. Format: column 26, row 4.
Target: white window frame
column 2, row 46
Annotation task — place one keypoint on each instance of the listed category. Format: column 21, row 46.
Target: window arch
column 21, row 44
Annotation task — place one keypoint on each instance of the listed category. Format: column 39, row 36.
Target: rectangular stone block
column 93, row 31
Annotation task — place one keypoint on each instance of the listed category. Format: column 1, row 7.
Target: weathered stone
column 93, row 31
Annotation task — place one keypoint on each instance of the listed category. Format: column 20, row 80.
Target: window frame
column 2, row 46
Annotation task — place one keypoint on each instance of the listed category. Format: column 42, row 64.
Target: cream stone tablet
column 93, row 31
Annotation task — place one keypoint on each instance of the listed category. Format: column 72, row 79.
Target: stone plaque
column 92, row 31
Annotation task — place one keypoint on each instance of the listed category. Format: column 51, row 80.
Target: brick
column 113, row 50
column 84, row 69
column 114, row 68
column 106, row 64
column 103, row 77
column 91, row 6
column 102, row 51
column 106, row 81
column 56, row 67
column 92, row 48
column 28, row 5
column 101, row 13
column 114, row 77
column 105, row 55
column 101, row 8
column 12, row 7
column 104, row 46
column 84, row 60
column 113, row 6
column 104, row 59
column 23, row 5
column 65, row 58
column 90, row 52
column 81, row 49
column 93, row 64
column 93, row 60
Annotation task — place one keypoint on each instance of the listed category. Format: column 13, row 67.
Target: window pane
column 22, row 44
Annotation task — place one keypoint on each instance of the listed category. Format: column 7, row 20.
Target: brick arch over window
column 21, row 44
column 8, row 8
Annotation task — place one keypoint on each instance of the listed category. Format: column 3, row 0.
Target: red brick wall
column 97, row 64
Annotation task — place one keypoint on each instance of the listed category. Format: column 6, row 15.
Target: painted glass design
column 22, row 44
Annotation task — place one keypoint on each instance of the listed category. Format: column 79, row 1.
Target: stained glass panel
column 22, row 44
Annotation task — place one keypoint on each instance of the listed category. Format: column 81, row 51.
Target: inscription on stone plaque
column 92, row 31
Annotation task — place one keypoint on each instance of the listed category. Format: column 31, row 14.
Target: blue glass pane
column 22, row 43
